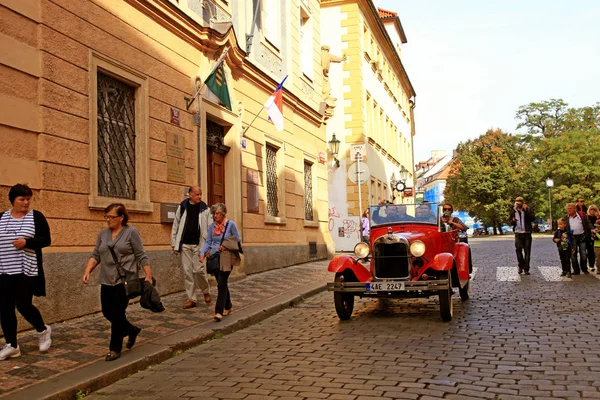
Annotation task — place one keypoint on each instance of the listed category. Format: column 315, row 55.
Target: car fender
column 461, row 255
column 345, row 262
column 442, row 262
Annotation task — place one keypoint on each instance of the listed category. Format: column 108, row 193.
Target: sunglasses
column 446, row 209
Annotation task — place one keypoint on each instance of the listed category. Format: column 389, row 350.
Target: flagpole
column 190, row 101
column 254, row 119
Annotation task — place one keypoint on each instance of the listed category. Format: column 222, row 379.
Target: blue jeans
column 580, row 247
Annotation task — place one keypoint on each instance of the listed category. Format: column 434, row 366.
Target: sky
column 472, row 63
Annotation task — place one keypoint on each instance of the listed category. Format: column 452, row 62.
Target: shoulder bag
column 132, row 282
column 213, row 261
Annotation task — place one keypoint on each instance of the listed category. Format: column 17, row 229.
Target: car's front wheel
column 446, row 309
column 344, row 302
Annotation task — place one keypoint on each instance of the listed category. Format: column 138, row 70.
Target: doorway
column 215, row 158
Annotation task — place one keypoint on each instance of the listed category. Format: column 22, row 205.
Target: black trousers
column 591, row 255
column 223, row 298
column 16, row 291
column 523, row 249
column 565, row 259
column 114, row 303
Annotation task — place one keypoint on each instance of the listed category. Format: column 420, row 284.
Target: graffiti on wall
column 346, row 227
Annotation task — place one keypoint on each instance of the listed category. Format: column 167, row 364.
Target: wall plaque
column 175, row 169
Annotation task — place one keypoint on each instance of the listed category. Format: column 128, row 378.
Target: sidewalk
column 75, row 362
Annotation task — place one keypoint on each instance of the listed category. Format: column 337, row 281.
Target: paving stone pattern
column 527, row 338
column 83, row 341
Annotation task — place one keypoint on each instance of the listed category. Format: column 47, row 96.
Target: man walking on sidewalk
column 190, row 228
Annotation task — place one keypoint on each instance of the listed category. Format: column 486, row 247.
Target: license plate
column 384, row 286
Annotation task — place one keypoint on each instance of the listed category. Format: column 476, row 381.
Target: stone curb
column 101, row 374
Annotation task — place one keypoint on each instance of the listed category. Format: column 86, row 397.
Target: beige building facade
column 372, row 114
column 93, row 110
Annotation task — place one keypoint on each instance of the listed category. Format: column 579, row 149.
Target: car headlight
column 361, row 250
column 417, row 248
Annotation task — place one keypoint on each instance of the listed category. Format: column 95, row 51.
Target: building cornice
column 205, row 39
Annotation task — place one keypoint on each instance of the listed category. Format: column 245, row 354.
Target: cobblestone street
column 518, row 337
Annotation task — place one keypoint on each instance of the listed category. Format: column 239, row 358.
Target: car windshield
column 402, row 213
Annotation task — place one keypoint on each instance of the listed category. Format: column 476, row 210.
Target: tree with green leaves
column 488, row 173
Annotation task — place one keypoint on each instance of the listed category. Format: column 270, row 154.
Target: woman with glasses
column 126, row 243
column 223, row 237
column 448, row 219
column 23, row 234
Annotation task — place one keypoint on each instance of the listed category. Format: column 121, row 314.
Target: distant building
column 368, row 103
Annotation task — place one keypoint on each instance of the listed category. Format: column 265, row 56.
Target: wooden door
column 216, row 178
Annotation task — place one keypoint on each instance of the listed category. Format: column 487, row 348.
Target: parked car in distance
column 410, row 254
column 542, row 228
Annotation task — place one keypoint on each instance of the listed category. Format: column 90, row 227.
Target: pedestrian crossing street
column 549, row 274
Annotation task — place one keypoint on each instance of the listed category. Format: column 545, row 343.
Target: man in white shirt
column 522, row 216
column 580, row 226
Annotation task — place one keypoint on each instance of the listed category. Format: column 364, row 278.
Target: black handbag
column 131, row 281
column 213, row 261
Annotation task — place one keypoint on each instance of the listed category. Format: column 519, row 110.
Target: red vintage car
column 411, row 253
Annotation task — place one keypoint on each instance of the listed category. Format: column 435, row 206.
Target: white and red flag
column 274, row 107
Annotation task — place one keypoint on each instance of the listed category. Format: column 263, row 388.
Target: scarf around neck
column 219, row 228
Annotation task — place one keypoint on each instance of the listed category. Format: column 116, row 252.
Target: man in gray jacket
column 190, row 228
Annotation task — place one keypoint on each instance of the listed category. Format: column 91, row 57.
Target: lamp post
column 549, row 185
column 400, row 184
column 334, row 148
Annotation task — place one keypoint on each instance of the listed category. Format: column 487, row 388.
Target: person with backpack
column 189, row 231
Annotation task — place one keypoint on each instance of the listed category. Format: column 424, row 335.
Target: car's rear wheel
column 344, row 302
column 465, row 291
column 446, row 308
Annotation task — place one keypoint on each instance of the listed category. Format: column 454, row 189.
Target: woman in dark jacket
column 23, row 234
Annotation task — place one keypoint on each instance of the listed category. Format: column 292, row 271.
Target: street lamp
column 334, row 148
column 400, row 184
column 549, row 185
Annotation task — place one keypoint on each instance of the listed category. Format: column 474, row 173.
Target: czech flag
column 274, row 107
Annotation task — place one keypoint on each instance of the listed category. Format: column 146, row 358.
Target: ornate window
column 274, row 180
column 308, row 192
column 116, row 138
column 119, row 162
column 272, row 192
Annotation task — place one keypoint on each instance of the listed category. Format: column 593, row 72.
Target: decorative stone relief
column 326, row 60
column 212, row 15
column 270, row 60
column 307, row 90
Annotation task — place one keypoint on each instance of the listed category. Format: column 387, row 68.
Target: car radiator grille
column 391, row 260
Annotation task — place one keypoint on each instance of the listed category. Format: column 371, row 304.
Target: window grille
column 215, row 134
column 272, row 201
column 116, row 138
column 308, row 197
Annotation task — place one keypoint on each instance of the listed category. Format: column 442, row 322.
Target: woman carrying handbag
column 125, row 241
column 223, row 238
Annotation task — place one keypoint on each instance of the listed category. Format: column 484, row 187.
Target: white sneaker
column 45, row 339
column 9, row 352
